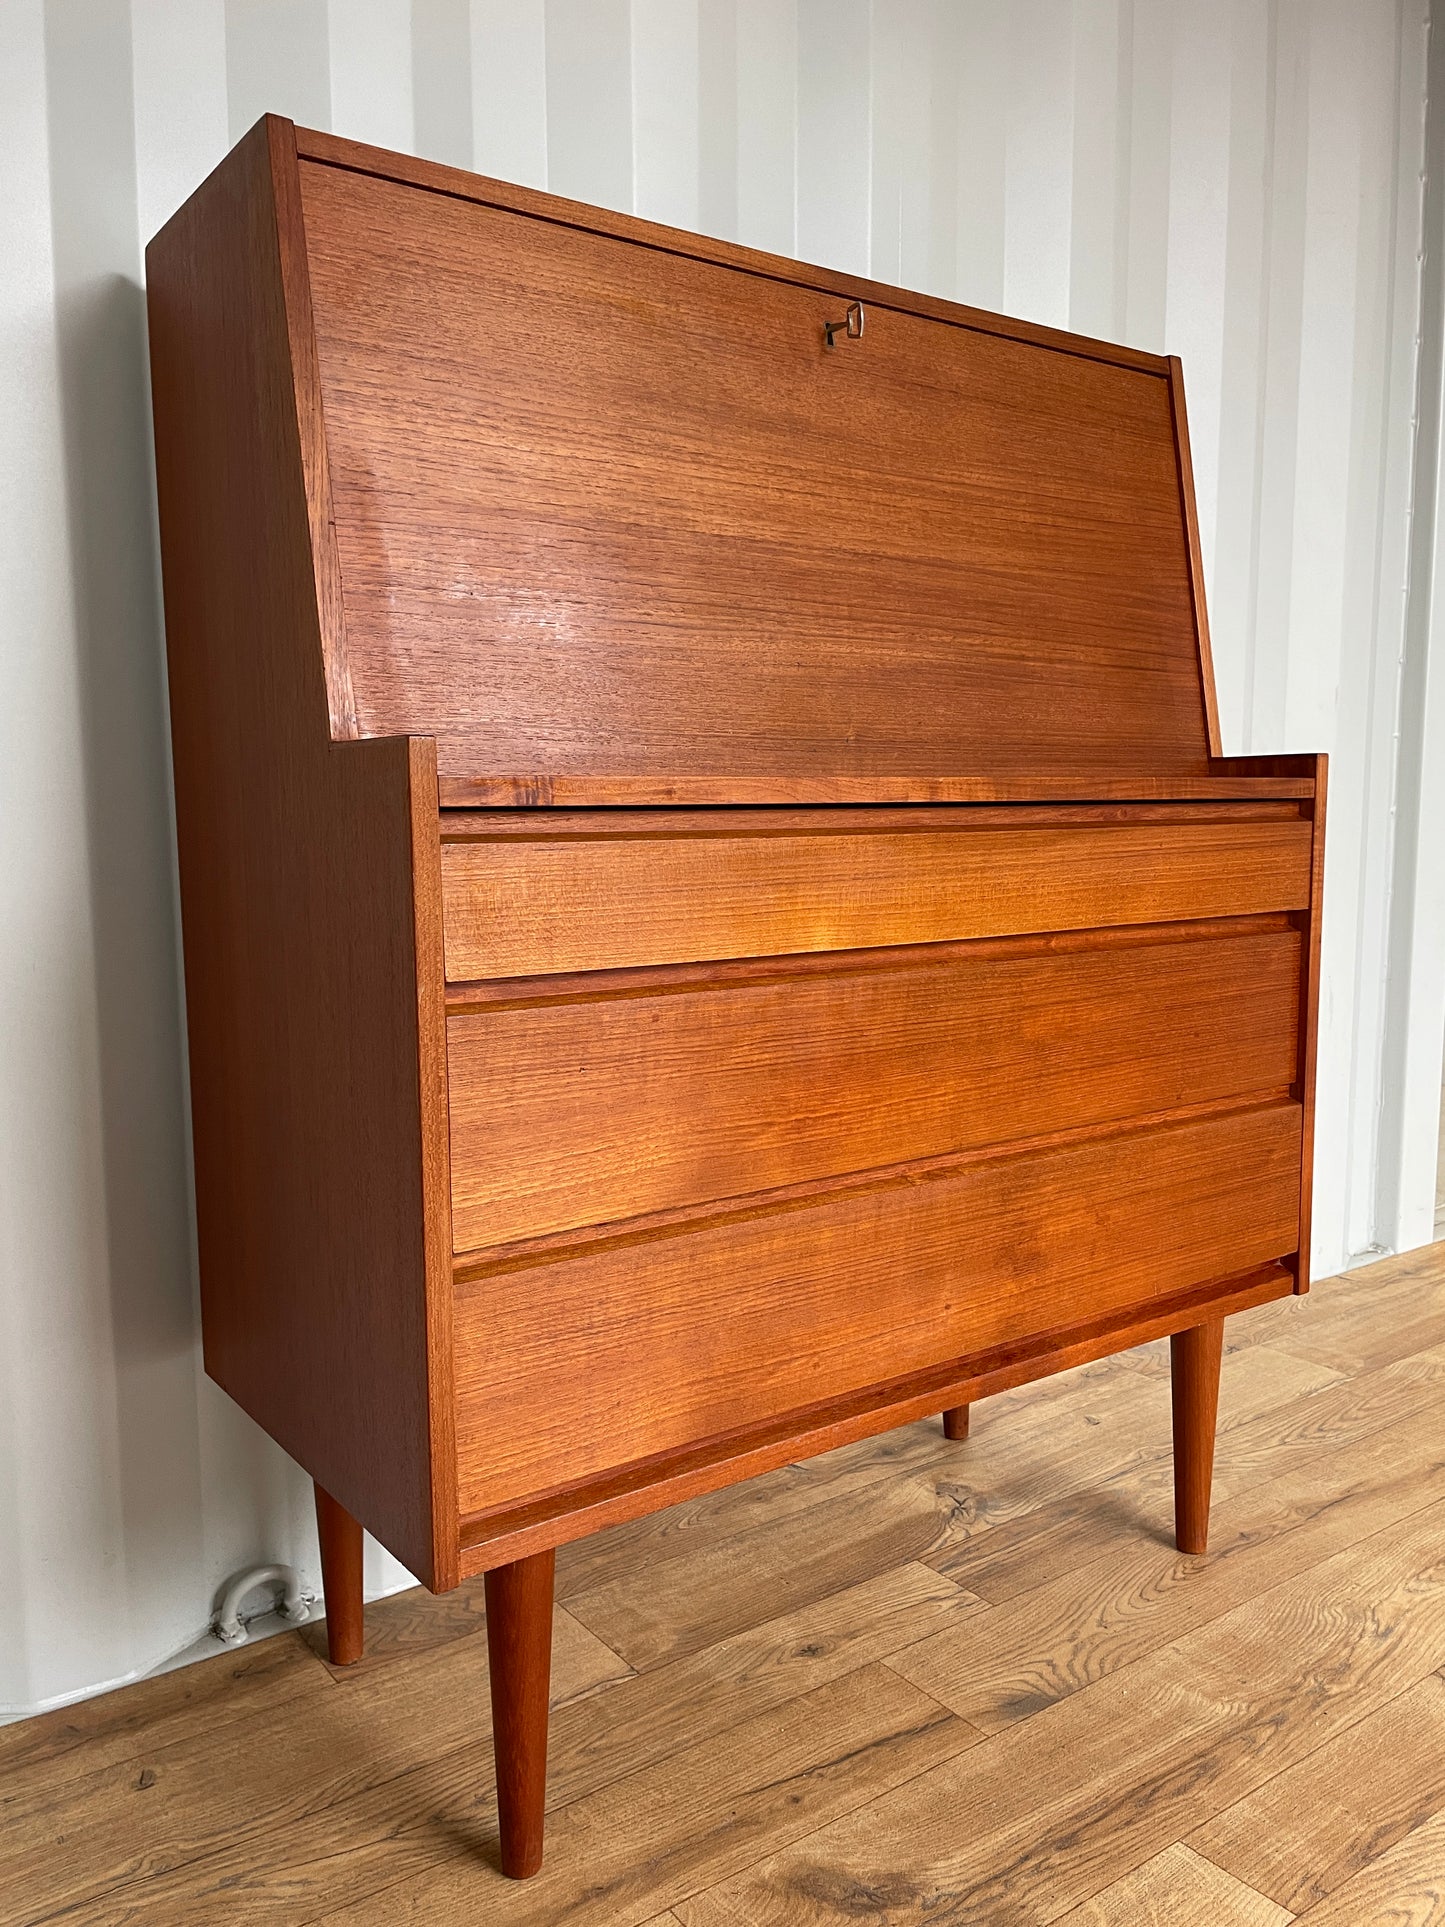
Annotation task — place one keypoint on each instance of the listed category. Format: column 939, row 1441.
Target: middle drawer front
column 613, row 1096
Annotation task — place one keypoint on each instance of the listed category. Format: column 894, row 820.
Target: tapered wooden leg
column 1194, row 1370
column 340, row 1579
column 519, row 1653
column 955, row 1423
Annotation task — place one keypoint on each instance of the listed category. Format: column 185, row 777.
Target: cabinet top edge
column 406, row 170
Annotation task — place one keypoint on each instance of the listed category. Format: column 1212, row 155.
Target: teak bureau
column 715, row 919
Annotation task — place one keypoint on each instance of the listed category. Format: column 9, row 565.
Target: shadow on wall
column 110, row 501
column 153, row 1485
column 110, row 497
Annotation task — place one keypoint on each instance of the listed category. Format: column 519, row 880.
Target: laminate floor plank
column 1345, row 1413
column 723, row 1588
column 1177, row 1889
column 672, row 1707
column 1259, row 1436
column 720, row 1585
column 1313, row 1827
column 698, row 1816
column 246, row 1783
column 275, row 1676
column 1077, row 1426
column 406, row 1624
column 762, row 1698
column 1063, row 1636
column 1403, row 1888
column 1373, row 1326
column 1049, row 1811
column 596, row 1738
column 1070, row 1530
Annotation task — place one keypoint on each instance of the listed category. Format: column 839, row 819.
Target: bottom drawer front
column 579, row 1363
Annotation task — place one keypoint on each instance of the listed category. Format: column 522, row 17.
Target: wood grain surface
column 1309, row 1009
column 641, row 1489
column 1316, row 1826
column 318, row 1112
column 573, row 892
column 771, row 1126
column 647, row 1090
column 1194, row 1355
column 1190, row 511
column 460, row 184
column 519, row 1657
column 342, row 1553
column 570, row 1364
column 610, row 510
column 1262, row 1738
column 1177, row 1889
column 689, row 792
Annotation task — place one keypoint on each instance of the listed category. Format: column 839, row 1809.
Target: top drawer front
column 592, row 890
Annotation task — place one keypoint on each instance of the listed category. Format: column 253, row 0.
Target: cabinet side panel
column 298, row 861
column 1310, row 1021
column 1189, row 505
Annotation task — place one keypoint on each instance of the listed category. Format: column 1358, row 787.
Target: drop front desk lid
column 615, row 523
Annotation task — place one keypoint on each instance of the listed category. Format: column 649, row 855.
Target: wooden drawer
column 532, row 892
column 639, row 1092
column 605, row 1352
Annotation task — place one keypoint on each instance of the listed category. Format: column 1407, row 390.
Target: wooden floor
column 909, row 1682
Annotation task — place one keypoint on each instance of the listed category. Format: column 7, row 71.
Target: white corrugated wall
column 1236, row 181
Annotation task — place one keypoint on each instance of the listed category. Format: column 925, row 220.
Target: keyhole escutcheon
column 851, row 326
